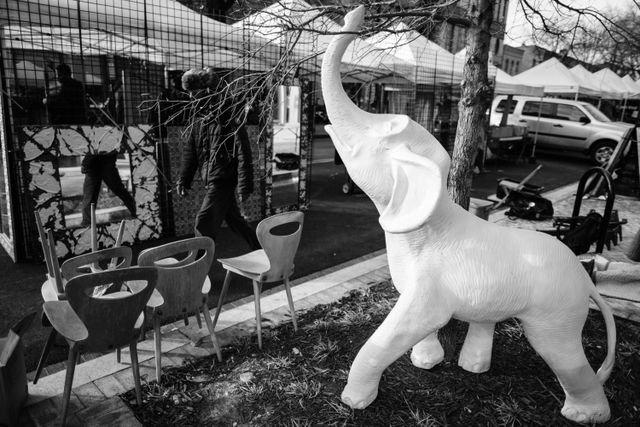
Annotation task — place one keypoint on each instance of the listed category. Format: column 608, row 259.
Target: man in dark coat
column 66, row 103
column 221, row 150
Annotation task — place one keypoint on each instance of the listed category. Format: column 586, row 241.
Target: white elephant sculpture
column 446, row 262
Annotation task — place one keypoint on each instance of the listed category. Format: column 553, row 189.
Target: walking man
column 220, row 148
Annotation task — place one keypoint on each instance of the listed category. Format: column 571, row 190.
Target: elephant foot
column 589, row 406
column 359, row 397
column 475, row 356
column 474, row 365
column 587, row 413
column 427, row 353
column 426, row 361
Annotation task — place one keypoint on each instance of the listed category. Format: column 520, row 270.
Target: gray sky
column 519, row 30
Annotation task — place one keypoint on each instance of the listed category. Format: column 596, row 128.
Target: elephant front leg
column 410, row 321
column 428, row 352
column 476, row 351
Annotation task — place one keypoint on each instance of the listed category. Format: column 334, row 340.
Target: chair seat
column 252, row 264
column 49, row 290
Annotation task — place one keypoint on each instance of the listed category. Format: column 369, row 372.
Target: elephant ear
column 417, row 185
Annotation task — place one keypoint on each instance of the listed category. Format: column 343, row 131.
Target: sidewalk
column 98, row 382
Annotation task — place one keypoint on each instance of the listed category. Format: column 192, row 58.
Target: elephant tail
column 605, row 370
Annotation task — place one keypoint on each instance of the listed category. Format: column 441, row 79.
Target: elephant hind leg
column 427, row 353
column 560, row 346
column 476, row 351
column 410, row 321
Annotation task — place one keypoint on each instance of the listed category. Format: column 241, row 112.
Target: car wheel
column 602, row 151
column 347, row 188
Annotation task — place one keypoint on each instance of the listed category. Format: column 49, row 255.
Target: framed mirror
column 286, row 147
column 100, row 178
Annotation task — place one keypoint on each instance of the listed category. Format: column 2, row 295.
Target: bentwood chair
column 97, row 324
column 184, row 285
column 271, row 264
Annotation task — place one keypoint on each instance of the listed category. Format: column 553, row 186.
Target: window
column 545, row 109
column 503, row 102
column 569, row 112
column 597, row 114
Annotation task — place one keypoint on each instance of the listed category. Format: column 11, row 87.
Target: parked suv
column 563, row 124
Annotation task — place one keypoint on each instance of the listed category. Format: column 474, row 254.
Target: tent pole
column 624, row 108
column 535, row 136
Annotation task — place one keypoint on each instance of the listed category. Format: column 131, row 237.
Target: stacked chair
column 94, row 324
column 53, row 289
column 272, row 263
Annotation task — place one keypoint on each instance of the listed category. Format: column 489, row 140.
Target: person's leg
column 112, row 178
column 90, row 193
column 212, row 212
column 238, row 224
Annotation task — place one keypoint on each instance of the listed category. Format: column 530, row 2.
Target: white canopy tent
column 507, row 85
column 587, row 77
column 429, row 63
column 556, row 79
column 608, row 78
column 303, row 32
column 633, row 86
column 141, row 28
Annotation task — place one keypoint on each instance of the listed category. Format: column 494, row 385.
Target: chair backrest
column 110, row 321
column 50, row 257
column 78, row 265
column 180, row 280
column 280, row 249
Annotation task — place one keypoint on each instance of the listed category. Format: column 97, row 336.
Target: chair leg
column 223, row 294
column 118, row 355
column 198, row 319
column 133, row 349
column 45, row 353
column 214, row 339
column 68, row 381
column 256, row 298
column 287, row 288
column 157, row 339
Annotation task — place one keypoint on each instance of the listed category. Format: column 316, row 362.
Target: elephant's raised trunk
column 341, row 110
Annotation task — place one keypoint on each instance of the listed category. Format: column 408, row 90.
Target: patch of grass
column 297, row 379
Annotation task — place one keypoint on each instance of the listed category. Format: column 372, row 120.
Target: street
column 558, row 169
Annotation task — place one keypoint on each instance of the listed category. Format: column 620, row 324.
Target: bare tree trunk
column 475, row 99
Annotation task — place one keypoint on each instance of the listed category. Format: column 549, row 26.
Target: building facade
column 512, row 60
column 452, row 33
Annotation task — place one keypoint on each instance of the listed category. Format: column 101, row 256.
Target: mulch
column 297, row 379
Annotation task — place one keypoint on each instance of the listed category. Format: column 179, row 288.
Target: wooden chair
column 72, row 268
column 53, row 287
column 104, row 323
column 184, row 285
column 272, row 263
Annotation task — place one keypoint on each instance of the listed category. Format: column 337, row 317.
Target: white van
column 563, row 124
